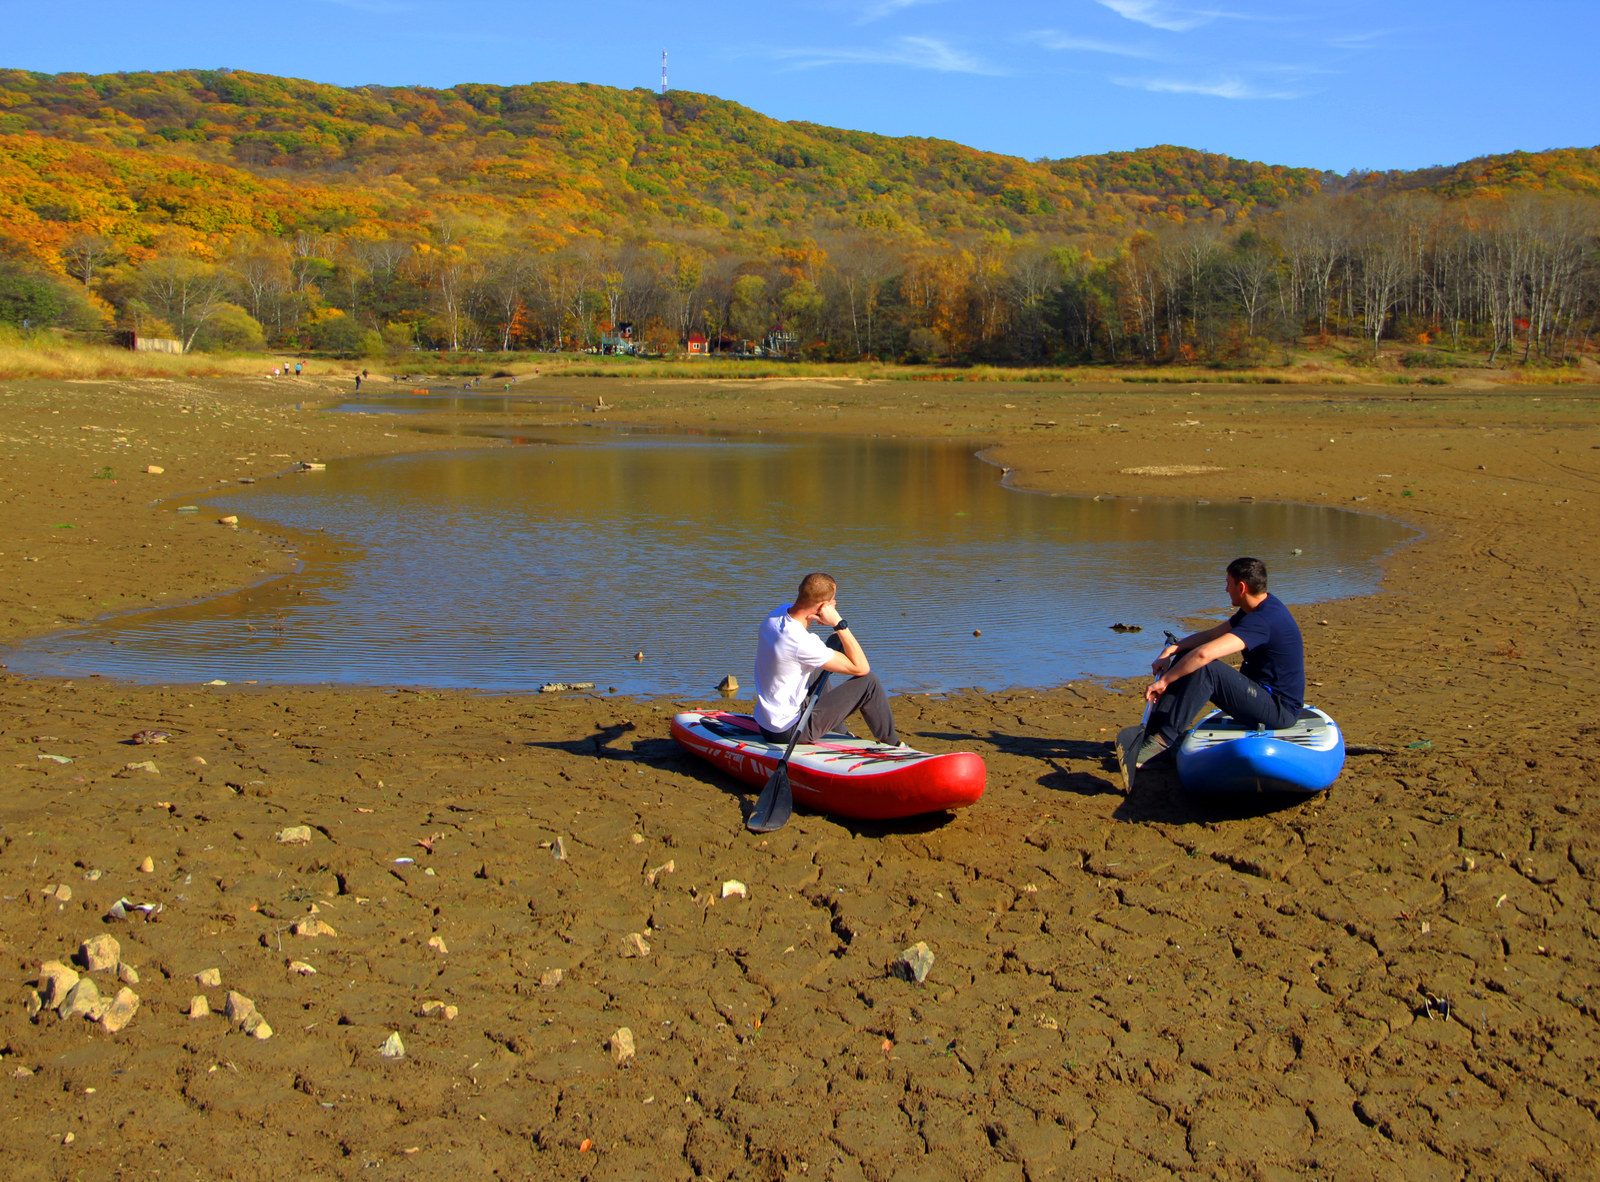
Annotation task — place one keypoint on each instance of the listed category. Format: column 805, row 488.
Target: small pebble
column 55, row 982
column 148, row 866
column 733, row 887
column 121, row 1011
column 210, row 978
column 633, row 944
column 80, row 999
column 914, row 963
column 438, row 1009
column 622, row 1047
column 199, row 1007
column 550, row 978
column 301, row 967
column 100, row 954
column 295, row 835
column 392, row 1047
column 437, row 943
column 127, row 974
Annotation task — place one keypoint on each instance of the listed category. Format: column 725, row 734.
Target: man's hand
column 1164, row 662
column 828, row 613
column 1154, row 690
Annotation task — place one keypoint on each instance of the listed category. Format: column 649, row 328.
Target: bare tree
column 184, row 292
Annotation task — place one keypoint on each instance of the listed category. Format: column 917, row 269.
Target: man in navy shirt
column 1269, row 686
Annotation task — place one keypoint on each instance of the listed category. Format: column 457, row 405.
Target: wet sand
column 1399, row 977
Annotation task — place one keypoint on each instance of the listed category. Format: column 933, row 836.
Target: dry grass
column 39, row 355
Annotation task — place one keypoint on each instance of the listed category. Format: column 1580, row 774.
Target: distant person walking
column 358, row 381
column 296, row 369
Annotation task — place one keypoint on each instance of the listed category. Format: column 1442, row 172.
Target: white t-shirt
column 786, row 657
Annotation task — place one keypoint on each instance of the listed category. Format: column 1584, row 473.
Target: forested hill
column 572, row 155
column 569, row 158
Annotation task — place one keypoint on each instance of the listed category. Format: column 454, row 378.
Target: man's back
column 1274, row 650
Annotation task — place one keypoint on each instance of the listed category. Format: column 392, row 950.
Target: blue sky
column 1335, row 84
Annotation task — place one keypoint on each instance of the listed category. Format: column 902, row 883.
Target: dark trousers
column 865, row 694
column 1223, row 685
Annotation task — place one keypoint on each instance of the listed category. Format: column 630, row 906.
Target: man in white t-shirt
column 789, row 658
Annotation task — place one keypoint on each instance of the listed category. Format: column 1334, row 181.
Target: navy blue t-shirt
column 1274, row 655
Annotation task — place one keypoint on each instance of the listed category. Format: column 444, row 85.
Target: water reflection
column 562, row 559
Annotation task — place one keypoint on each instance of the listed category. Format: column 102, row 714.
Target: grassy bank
column 49, row 355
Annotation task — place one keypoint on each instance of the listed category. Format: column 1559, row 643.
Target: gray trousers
column 865, row 694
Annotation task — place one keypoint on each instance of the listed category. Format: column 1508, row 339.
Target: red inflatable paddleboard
column 848, row 777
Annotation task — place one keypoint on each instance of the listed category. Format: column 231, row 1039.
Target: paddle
column 1131, row 738
column 776, row 803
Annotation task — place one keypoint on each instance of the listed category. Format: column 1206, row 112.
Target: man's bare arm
column 852, row 661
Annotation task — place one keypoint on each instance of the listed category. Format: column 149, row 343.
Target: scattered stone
column 728, row 686
column 121, row 1011
column 56, row 758
column 437, row 943
column 237, row 1008
column 914, row 963
column 651, row 875
column 295, row 835
column 148, row 866
column 199, row 1007
column 100, row 1008
column 550, row 978
column 154, row 469
column 230, row 521
column 638, row 656
column 392, row 1047
column 637, row 839
column 210, row 978
column 256, row 1027
column 635, row 945
column 55, row 982
column 558, row 849
column 1296, row 553
column 35, row 1003
column 977, row 632
column 310, row 466
column 1127, row 627
column 80, row 999
column 734, row 887
column 100, row 954
column 200, row 759
column 93, row 875
column 438, row 1009
column 311, row 926
column 557, row 687
column 60, row 893
column 151, row 736
column 22, row 1073
column 216, row 681
column 301, row 967
column 622, row 1047
column 143, row 765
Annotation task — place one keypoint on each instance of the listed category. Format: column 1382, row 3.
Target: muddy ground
column 1397, row 979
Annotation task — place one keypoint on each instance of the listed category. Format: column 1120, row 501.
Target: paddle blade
column 775, row 805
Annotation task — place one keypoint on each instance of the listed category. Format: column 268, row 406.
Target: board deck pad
column 1129, row 740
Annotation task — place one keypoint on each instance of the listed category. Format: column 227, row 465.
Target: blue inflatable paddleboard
column 1222, row 756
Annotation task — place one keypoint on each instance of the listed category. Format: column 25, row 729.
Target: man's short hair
column 1252, row 572
column 815, row 588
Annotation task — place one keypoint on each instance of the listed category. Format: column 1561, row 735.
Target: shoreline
column 1143, row 985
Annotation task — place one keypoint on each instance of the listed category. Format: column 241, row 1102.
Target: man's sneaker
column 1154, row 748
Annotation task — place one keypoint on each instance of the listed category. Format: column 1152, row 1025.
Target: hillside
column 576, row 154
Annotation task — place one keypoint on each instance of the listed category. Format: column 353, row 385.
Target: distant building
column 697, row 345
column 128, row 339
column 619, row 340
column 780, row 340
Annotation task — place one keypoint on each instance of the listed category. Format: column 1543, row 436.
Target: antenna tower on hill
column 663, row 71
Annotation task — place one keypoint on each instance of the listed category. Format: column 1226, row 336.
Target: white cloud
column 1227, row 88
column 883, row 8
column 917, row 53
column 1052, row 39
column 1158, row 14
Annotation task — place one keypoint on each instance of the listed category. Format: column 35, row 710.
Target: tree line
column 1515, row 277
